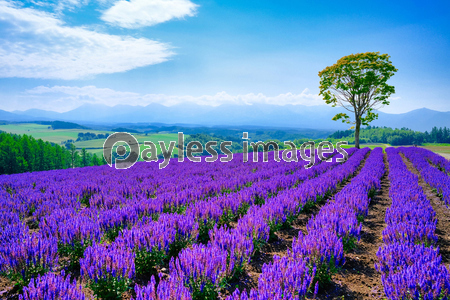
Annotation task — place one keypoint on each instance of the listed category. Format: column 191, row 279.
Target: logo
column 124, row 159
column 121, row 159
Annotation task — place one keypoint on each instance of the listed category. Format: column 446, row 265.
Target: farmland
column 93, row 146
column 42, row 132
column 96, row 146
column 374, row 226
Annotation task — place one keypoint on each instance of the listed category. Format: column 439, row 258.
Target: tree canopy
column 358, row 83
column 23, row 153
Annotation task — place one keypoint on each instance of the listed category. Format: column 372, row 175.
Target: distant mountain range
column 295, row 116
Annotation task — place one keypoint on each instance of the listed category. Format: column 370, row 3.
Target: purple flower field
column 198, row 230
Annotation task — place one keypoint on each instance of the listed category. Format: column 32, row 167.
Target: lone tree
column 357, row 82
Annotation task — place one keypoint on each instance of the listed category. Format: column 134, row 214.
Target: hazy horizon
column 237, row 104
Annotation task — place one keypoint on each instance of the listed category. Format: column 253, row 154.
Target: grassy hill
column 46, row 133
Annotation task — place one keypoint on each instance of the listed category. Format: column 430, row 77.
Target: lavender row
column 76, row 231
column 25, row 256
column 42, row 192
column 438, row 180
column 320, row 253
column 76, row 228
column 155, row 242
column 409, row 262
column 202, row 273
column 290, row 277
column 101, row 275
column 82, row 232
column 231, row 207
column 337, row 226
column 439, row 161
column 343, row 215
column 49, row 196
column 104, row 188
column 51, row 286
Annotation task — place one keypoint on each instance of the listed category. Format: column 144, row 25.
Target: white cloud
column 141, row 13
column 63, row 98
column 58, row 5
column 35, row 44
column 304, row 98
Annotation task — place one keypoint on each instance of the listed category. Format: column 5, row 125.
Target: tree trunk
column 358, row 126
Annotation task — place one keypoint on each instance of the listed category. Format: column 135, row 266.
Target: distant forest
column 61, row 125
column 23, row 153
column 395, row 137
column 91, row 136
column 235, row 132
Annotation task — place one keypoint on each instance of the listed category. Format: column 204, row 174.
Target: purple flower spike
column 51, row 286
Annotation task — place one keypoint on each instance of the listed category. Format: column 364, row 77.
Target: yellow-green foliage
column 358, row 82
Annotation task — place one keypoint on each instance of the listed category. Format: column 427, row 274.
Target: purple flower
column 166, row 290
column 51, row 286
column 102, row 261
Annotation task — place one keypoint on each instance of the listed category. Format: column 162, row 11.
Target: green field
column 58, row 136
column 96, row 146
column 43, row 132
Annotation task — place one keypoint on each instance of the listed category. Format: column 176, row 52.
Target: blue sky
column 58, row 55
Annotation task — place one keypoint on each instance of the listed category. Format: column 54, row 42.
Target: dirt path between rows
column 358, row 279
column 442, row 214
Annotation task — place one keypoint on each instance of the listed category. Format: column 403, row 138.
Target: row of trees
column 61, row 125
column 23, row 153
column 91, row 136
column 403, row 136
column 85, row 137
column 83, row 158
column 439, row 135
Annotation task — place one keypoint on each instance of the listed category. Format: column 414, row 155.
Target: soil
column 5, row 287
column 8, row 290
column 442, row 214
column 33, row 225
column 88, row 292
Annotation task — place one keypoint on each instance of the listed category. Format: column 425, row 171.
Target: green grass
column 39, row 131
column 23, row 127
column 436, row 145
column 154, row 138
